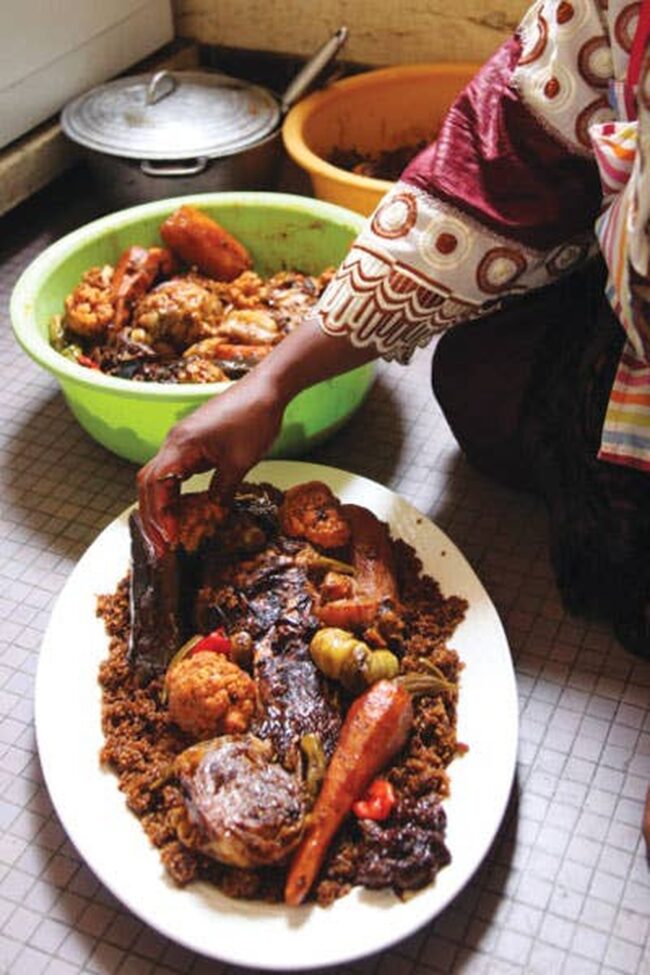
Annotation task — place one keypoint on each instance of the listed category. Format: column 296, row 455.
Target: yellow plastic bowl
column 370, row 112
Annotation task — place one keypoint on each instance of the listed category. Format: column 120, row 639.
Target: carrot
column 375, row 728
column 199, row 240
column 348, row 614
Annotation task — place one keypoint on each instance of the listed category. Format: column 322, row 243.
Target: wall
column 381, row 31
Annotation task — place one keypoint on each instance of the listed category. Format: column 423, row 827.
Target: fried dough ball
column 209, row 695
column 181, row 311
column 311, row 511
column 90, row 309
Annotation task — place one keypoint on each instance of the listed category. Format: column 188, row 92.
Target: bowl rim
column 294, row 123
column 37, row 346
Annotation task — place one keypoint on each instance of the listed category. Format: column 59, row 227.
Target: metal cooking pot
column 147, row 137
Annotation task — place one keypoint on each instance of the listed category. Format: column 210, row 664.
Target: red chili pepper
column 215, row 642
column 85, row 360
column 377, row 802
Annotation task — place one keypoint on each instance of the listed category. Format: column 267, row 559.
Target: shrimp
column 136, row 271
column 312, row 512
column 250, row 327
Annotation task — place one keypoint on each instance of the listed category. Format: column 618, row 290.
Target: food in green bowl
column 280, row 232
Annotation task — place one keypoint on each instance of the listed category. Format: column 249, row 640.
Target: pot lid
column 179, row 115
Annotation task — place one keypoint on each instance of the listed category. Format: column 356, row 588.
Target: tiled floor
column 566, row 887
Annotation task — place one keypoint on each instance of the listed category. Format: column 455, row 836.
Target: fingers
column 182, row 454
column 159, row 486
column 228, row 433
column 224, row 483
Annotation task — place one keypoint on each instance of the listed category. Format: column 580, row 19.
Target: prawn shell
column 135, row 273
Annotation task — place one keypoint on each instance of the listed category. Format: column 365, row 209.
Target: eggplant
column 155, row 602
column 245, row 809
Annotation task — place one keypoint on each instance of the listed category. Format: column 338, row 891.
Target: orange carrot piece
column 375, row 728
column 200, row 241
column 348, row 614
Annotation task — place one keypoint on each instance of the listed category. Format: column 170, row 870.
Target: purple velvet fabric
column 493, row 160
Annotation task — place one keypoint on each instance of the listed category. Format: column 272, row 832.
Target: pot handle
column 311, row 70
column 162, row 83
column 150, row 167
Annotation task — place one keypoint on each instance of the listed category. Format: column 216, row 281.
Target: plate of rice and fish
column 271, row 737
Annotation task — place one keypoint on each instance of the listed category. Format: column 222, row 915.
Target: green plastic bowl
column 132, row 418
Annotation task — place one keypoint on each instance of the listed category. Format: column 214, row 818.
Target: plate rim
column 264, row 471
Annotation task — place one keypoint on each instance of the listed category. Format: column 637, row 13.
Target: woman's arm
column 501, row 203
column 233, row 430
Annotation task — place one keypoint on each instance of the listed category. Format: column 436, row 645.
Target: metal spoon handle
column 317, row 62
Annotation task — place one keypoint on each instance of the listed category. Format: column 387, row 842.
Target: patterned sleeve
column 503, row 201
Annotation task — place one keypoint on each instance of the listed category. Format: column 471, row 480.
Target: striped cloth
column 626, row 430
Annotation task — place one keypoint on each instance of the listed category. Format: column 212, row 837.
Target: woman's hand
column 235, row 429
column 229, row 433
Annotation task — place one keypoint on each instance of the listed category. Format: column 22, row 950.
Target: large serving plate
column 111, row 840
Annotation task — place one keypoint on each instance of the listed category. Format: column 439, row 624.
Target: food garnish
column 215, row 642
column 377, row 802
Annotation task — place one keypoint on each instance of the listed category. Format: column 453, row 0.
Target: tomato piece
column 215, row 642
column 377, row 802
column 86, row 361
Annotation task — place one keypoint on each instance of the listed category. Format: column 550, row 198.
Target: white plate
column 112, row 841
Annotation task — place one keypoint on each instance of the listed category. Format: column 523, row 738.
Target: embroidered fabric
column 507, row 198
